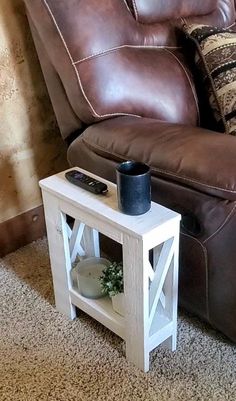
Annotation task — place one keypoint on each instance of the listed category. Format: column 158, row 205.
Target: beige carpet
column 44, row 356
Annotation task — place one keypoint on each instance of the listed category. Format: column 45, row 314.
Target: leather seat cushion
column 201, row 159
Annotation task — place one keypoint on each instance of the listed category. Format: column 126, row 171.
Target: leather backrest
column 223, row 16
column 111, row 65
column 215, row 12
column 148, row 11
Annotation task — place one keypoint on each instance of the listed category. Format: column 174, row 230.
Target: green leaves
column 112, row 279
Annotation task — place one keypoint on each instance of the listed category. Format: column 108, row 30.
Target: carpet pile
column 44, row 356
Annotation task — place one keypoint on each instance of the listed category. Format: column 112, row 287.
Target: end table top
column 106, row 206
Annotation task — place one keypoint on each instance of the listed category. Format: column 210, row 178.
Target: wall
column 30, row 143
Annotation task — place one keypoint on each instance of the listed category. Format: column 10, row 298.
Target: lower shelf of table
column 102, row 311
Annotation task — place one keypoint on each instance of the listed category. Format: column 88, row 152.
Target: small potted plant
column 113, row 285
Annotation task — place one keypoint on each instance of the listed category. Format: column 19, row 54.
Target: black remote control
column 84, row 181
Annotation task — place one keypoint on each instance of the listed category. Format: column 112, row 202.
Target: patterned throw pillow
column 216, row 60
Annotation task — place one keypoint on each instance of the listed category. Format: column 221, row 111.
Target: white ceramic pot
column 118, row 303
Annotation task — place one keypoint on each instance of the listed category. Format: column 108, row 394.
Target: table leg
column 57, row 234
column 171, row 291
column 135, row 260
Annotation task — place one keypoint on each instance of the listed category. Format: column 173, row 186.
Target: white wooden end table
column 150, row 288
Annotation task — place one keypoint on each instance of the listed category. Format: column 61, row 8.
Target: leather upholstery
column 147, row 11
column 175, row 152
column 137, row 70
column 223, row 16
column 213, row 12
column 121, row 73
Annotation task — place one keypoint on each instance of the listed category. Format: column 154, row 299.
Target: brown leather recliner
column 121, row 89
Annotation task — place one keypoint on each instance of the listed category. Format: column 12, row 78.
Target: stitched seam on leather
column 230, row 26
column 206, row 271
column 76, row 72
column 102, row 151
column 127, row 6
column 221, row 226
column 122, row 47
column 108, row 114
column 190, row 83
column 184, row 178
column 135, row 10
column 58, row 29
column 70, row 57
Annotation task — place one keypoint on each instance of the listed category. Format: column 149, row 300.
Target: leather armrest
column 198, row 158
